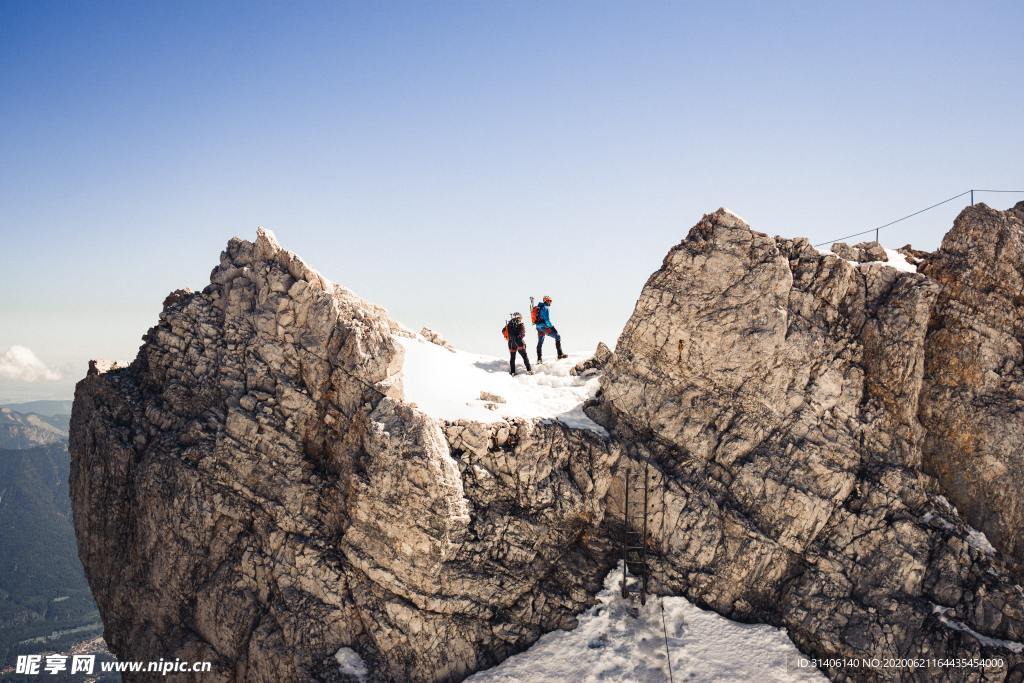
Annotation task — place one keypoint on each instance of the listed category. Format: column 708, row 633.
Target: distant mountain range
column 45, row 408
column 45, row 602
column 28, row 429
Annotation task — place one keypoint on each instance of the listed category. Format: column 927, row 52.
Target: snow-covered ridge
column 447, row 385
column 618, row 640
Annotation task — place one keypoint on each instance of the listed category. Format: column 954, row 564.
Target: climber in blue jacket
column 541, row 317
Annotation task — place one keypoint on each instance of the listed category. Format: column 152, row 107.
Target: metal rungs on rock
column 634, row 556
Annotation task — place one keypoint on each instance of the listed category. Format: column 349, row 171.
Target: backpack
column 504, row 332
column 535, row 314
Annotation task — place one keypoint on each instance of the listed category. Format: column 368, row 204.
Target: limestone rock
column 865, row 252
column 596, row 362
column 872, row 252
column 436, row 338
column 845, row 251
column 913, row 256
column 973, row 397
column 776, row 392
column 254, row 490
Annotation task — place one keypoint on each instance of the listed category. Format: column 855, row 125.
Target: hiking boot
column 561, row 356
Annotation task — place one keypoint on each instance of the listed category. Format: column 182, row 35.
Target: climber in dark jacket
column 515, row 333
column 546, row 329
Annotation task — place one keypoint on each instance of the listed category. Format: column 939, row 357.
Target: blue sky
column 449, row 159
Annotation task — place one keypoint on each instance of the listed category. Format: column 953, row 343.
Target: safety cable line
column 664, row 630
column 911, row 215
column 929, row 208
column 838, row 239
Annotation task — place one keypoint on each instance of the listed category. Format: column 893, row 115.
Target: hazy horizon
column 448, row 161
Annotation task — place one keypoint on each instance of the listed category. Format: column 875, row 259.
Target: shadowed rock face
column 253, row 489
column 973, row 399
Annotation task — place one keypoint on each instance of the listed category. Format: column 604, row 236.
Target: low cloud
column 18, row 362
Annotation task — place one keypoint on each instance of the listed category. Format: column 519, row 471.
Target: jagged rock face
column 740, row 336
column 602, row 354
column 865, row 252
column 465, row 553
column 776, row 390
column 436, row 338
column 973, row 399
column 253, row 492
column 913, row 256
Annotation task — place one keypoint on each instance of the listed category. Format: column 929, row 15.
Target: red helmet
column 547, row 299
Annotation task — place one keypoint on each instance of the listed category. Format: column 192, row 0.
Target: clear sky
column 449, row 159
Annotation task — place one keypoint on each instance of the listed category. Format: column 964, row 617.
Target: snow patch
column 450, row 385
column 897, row 261
column 979, row 541
column 351, row 664
column 974, row 538
column 734, row 214
column 930, row 517
column 619, row 640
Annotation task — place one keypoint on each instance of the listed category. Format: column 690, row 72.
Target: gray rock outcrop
column 602, row 354
column 776, row 391
column 436, row 338
column 913, row 256
column 865, row 252
column 254, row 490
column 972, row 404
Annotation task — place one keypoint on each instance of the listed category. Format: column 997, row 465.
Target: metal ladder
column 635, row 571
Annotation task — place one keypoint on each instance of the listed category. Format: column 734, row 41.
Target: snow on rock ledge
column 447, row 385
column 618, row 640
column 350, row 664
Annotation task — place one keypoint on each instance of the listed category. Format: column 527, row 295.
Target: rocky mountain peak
column 255, row 490
column 972, row 398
